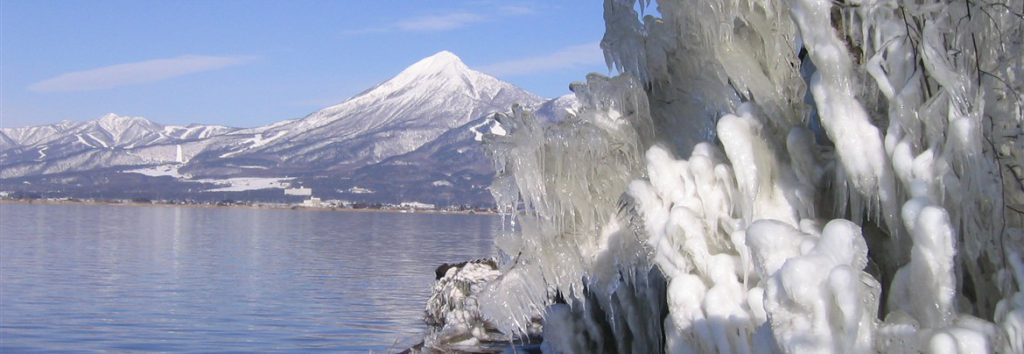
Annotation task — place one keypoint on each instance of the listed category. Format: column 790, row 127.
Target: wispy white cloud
column 445, row 21
column 589, row 54
column 513, row 10
column 136, row 73
column 440, row 22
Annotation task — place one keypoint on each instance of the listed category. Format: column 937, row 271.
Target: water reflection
column 186, row 279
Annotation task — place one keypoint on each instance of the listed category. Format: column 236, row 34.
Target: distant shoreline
column 268, row 206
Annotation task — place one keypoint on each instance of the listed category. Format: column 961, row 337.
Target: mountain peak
column 114, row 118
column 117, row 125
column 443, row 61
column 444, row 55
column 110, row 116
column 440, row 85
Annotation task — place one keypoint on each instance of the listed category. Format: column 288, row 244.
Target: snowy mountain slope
column 100, row 158
column 28, row 136
column 453, row 168
column 61, row 147
column 196, row 131
column 399, row 115
column 6, row 143
column 556, row 109
column 108, row 131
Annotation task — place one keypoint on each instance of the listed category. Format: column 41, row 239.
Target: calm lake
column 119, row 278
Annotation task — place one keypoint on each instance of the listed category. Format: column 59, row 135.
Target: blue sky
column 248, row 63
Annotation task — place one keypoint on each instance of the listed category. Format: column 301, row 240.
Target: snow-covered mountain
column 399, row 115
column 108, row 131
column 107, row 141
column 436, row 95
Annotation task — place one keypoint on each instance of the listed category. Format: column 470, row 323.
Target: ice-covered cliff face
column 806, row 176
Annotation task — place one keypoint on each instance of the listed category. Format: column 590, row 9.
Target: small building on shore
column 312, row 202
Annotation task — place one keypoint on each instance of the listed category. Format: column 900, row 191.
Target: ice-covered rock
column 453, row 308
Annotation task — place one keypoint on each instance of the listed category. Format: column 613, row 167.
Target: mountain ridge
column 433, row 96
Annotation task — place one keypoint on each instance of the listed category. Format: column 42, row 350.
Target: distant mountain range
column 414, row 137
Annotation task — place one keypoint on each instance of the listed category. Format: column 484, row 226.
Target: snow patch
column 360, row 190
column 477, row 135
column 82, row 141
column 169, row 170
column 98, row 141
column 256, row 141
column 237, row 184
column 242, row 184
column 497, row 129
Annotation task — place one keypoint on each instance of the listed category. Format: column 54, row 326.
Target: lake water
column 119, row 278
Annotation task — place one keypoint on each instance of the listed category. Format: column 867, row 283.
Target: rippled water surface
column 117, row 278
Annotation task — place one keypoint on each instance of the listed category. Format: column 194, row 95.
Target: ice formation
column 453, row 307
column 796, row 176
